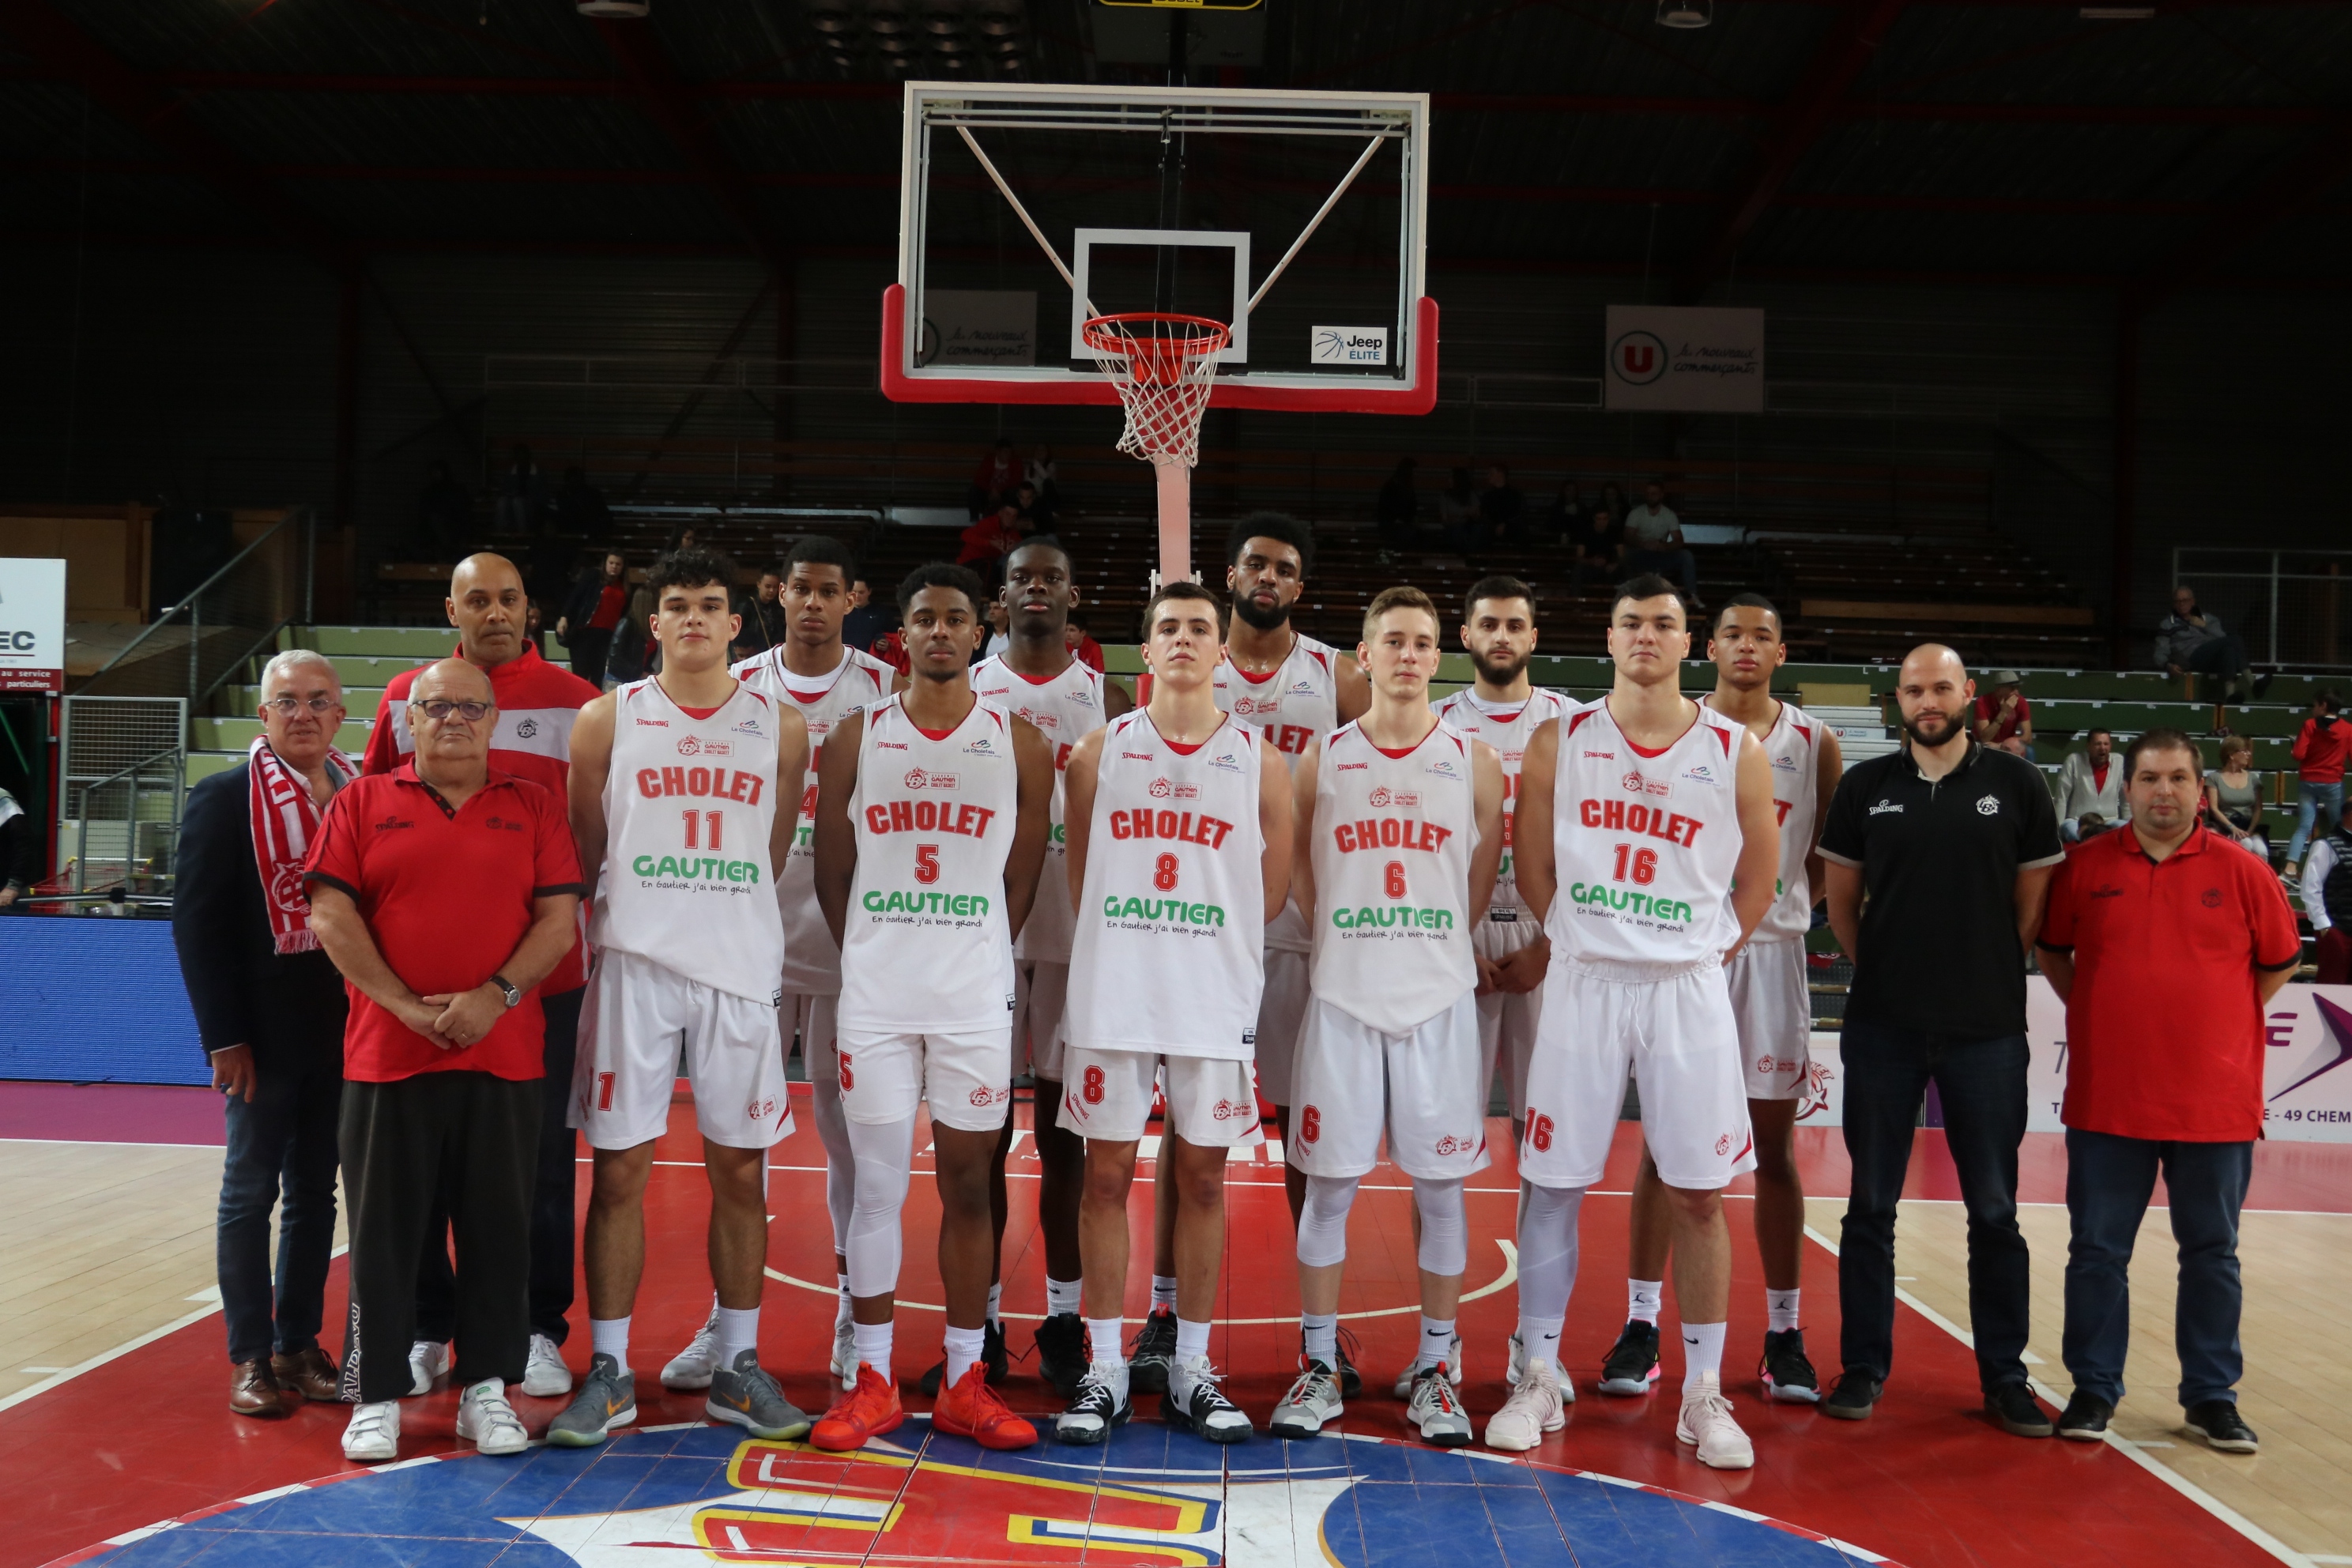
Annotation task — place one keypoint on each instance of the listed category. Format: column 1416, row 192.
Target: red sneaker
column 868, row 1410
column 973, row 1409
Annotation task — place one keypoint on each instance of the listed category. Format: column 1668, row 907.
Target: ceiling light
column 1686, row 14
column 631, row 10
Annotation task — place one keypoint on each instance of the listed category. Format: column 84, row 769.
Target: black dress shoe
column 2217, row 1421
column 1853, row 1396
column 2020, row 1414
column 2085, row 1418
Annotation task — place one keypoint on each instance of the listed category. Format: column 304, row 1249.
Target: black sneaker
column 992, row 1356
column 2216, row 1421
column 1154, row 1348
column 2085, row 1418
column 2018, row 1413
column 1631, row 1364
column 1100, row 1404
column 1787, row 1371
column 1062, row 1353
column 1853, row 1396
column 1351, row 1382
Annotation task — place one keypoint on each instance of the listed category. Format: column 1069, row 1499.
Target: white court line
column 2124, row 1446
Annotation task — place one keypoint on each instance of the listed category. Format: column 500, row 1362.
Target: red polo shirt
column 2164, row 1026
column 447, row 896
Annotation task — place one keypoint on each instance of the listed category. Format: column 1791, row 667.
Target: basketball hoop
column 1164, row 367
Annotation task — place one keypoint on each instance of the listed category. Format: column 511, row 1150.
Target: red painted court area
column 147, row 1437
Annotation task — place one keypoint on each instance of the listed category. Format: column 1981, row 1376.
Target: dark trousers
column 2334, row 951
column 1982, row 1086
column 2224, row 656
column 1679, row 564
column 281, row 1148
column 476, row 1137
column 590, row 650
column 551, row 1216
column 2108, row 1184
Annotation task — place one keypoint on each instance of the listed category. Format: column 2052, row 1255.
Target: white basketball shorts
column 814, row 1020
column 1507, row 1019
column 1041, row 1003
column 1353, row 1082
column 1774, row 1014
column 966, row 1077
column 1672, row 1027
column 1211, row 1102
column 1281, row 1021
column 630, row 1025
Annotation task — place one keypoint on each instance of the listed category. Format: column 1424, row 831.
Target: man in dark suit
column 270, row 1011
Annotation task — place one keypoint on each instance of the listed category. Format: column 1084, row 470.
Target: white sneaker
column 374, row 1434
column 692, row 1367
column 488, row 1422
column 1534, row 1408
column 1436, row 1411
column 545, row 1375
column 428, row 1359
column 1403, row 1388
column 844, row 1354
column 1707, row 1425
column 1312, row 1403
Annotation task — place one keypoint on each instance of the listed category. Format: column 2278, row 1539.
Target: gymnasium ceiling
column 2017, row 141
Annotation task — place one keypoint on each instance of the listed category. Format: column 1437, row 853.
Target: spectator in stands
column 2319, row 755
column 2327, row 899
column 762, row 617
column 20, row 852
column 2191, row 639
column 1600, row 550
column 2234, row 799
column 1567, row 517
column 681, row 537
column 1613, row 501
column 999, row 631
column 2004, row 719
column 534, row 627
column 1502, row 509
column 1082, row 648
column 1654, row 539
column 1036, row 512
column 590, row 615
column 580, row 509
column 1045, row 476
column 444, row 516
column 992, row 481
column 866, row 620
column 1398, row 509
column 2089, row 782
column 522, row 495
column 1457, row 512
column 988, row 541
column 635, row 654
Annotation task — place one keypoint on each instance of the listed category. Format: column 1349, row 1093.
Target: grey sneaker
column 1313, row 1400
column 747, row 1396
column 1403, row 1388
column 1435, row 1410
column 692, row 1367
column 607, row 1398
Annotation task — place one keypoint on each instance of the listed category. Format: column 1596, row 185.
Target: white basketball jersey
column 1066, row 707
column 1392, row 842
column 1507, row 730
column 811, row 962
column 1168, row 954
column 1646, row 842
column 689, row 805
column 1793, row 747
column 925, row 947
column 1298, row 703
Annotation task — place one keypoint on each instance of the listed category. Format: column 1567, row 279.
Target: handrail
column 188, row 599
column 141, row 765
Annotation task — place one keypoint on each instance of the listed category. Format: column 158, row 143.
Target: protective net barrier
column 1164, row 367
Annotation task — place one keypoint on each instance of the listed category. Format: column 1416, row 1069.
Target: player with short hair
column 930, row 829
column 1774, row 1009
column 1400, row 834
column 1648, row 844
column 683, row 803
column 1179, row 851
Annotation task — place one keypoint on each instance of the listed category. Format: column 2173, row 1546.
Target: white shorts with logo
column 967, row 1076
column 1041, row 1001
column 813, row 1020
column 1673, row 1029
column 1775, row 1013
column 1281, row 1022
column 630, row 1024
column 1211, row 1102
column 1508, row 1020
column 1354, row 1082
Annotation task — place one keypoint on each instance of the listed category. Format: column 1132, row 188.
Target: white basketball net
column 1164, row 367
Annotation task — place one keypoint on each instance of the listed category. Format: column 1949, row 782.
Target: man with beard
column 1953, row 842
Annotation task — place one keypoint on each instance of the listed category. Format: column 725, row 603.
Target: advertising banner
column 32, row 625
column 1701, row 361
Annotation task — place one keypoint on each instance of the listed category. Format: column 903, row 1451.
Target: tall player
column 1179, row 851
column 1400, row 834
column 1036, row 679
column 684, row 797
column 930, row 829
column 1648, row 845
column 1774, row 1012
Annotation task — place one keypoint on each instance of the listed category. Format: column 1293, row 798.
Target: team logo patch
column 1244, row 706
column 917, row 779
column 1226, row 1111
column 688, row 746
column 526, row 729
column 1450, row 1144
column 1379, row 797
column 1160, row 789
column 1723, row 1144
column 2210, row 897
column 1989, row 805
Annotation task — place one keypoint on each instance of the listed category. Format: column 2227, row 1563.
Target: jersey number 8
column 1163, row 873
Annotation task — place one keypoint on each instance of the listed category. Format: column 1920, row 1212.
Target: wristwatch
column 506, row 989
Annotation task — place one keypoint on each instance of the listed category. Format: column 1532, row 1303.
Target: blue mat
column 92, row 1000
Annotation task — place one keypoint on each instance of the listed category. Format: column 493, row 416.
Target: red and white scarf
column 284, row 821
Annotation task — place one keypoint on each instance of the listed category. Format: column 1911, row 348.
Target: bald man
column 536, row 702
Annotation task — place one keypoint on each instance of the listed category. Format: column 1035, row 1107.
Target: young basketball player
column 811, row 672
column 1179, row 851
column 1502, row 708
column 1036, row 679
column 1400, row 834
column 684, row 795
column 930, row 829
column 1774, row 1013
column 1647, row 844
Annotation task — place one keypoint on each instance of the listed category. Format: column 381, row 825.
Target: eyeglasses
column 287, row 707
column 438, row 710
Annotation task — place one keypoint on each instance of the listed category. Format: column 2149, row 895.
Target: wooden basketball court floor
column 116, row 1443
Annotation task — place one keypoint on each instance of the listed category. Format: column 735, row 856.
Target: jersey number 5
column 927, row 863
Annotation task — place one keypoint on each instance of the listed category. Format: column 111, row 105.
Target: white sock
column 739, row 1331
column 995, row 1297
column 1539, row 1337
column 610, row 1336
column 1191, row 1341
column 841, row 1302
column 1322, row 1331
column 1642, row 1297
column 1163, row 1291
column 874, row 1347
column 1062, row 1296
column 1780, row 1311
column 963, row 1347
column 1436, row 1342
column 1702, row 1352
column 1107, row 1341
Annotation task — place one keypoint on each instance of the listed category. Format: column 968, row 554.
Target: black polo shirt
column 1940, row 862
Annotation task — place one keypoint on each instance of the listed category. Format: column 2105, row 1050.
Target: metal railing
column 191, row 648
column 2293, row 608
column 122, row 778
